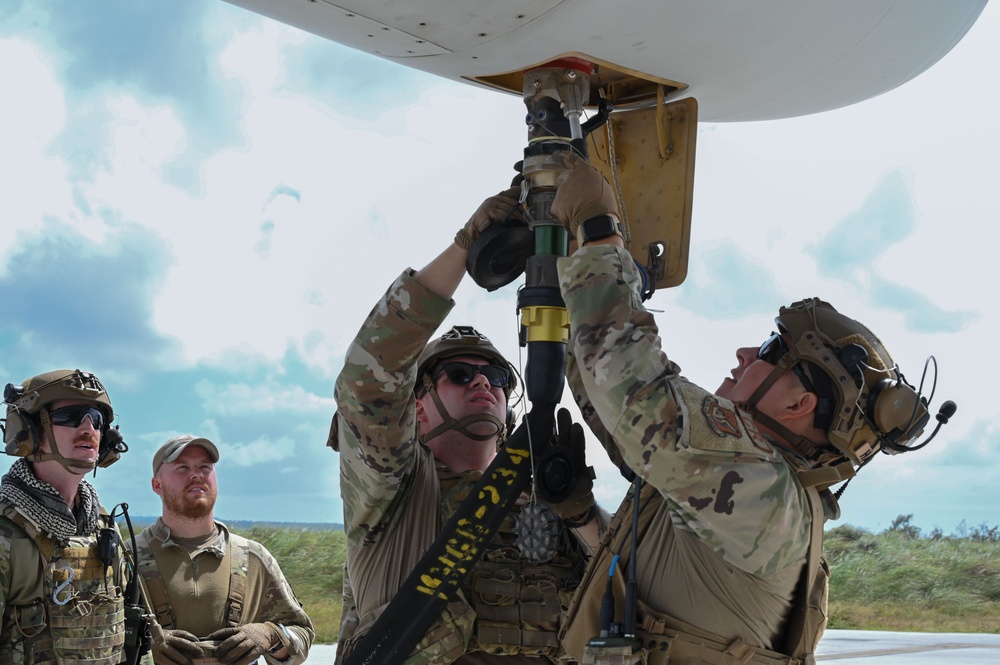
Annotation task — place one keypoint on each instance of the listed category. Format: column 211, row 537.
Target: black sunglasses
column 73, row 416
column 463, row 373
column 773, row 349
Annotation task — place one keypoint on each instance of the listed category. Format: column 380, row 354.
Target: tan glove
column 579, row 507
column 501, row 207
column 583, row 194
column 245, row 644
column 178, row 648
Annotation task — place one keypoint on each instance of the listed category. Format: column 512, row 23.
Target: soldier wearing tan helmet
column 218, row 597
column 733, row 484
column 419, row 418
column 60, row 554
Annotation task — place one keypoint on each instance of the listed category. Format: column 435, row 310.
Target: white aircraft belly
column 749, row 60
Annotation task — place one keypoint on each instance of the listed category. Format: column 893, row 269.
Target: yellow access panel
column 647, row 154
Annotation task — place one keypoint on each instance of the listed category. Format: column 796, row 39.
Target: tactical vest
column 518, row 603
column 238, row 552
column 665, row 640
column 80, row 618
column 509, row 606
column 517, row 607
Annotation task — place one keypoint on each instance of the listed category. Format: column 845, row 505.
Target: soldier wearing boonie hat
column 241, row 607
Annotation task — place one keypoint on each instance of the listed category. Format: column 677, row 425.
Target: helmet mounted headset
column 463, row 341
column 28, row 418
column 864, row 402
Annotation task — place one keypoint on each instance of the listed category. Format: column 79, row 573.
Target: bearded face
column 193, row 502
column 187, row 485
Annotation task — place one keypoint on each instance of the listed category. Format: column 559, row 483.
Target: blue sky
column 201, row 205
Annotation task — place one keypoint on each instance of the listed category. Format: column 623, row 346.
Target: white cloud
column 259, row 451
column 32, row 181
column 269, row 400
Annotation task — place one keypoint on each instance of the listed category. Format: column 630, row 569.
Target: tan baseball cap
column 173, row 448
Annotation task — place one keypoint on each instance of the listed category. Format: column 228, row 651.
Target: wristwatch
column 595, row 228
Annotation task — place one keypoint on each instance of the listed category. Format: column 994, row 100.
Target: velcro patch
column 723, row 421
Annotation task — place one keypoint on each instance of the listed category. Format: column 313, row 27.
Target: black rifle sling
column 448, row 562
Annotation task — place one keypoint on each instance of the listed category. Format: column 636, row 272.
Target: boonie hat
column 173, row 448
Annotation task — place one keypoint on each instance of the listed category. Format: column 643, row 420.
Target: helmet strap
column 799, row 443
column 785, row 364
column 39, row 456
column 462, row 424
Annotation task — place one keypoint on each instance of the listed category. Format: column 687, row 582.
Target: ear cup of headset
column 897, row 410
column 25, row 433
column 22, row 447
column 509, row 422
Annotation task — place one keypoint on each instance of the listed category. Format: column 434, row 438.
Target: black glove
column 178, row 648
column 245, row 644
column 578, row 508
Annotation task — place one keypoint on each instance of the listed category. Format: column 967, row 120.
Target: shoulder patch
column 722, row 420
column 731, row 423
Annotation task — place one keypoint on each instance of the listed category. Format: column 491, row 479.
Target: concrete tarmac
column 869, row 647
column 859, row 647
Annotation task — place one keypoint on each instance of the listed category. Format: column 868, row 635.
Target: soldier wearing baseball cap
column 242, row 607
column 173, row 448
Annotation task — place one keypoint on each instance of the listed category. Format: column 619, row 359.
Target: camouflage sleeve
column 280, row 606
column 574, row 380
column 5, row 573
column 727, row 486
column 375, row 403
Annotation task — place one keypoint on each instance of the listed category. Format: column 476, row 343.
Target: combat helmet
column 26, row 415
column 463, row 341
column 865, row 403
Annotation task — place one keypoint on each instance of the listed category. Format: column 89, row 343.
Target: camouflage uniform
column 200, row 587
column 59, row 602
column 728, row 529
column 397, row 497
